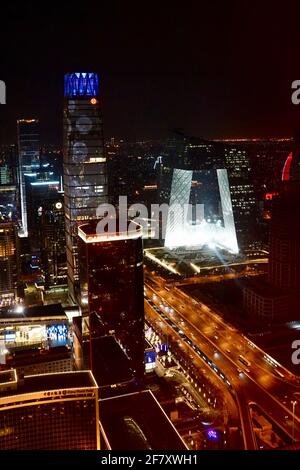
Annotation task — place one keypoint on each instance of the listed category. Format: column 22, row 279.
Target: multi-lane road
column 255, row 380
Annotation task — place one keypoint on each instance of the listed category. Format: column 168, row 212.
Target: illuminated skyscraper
column 29, row 161
column 8, row 263
column 56, row 411
column 46, row 226
column 111, row 281
column 242, row 194
column 85, row 175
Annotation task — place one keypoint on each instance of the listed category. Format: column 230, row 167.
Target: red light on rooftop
column 287, row 168
column 269, row 196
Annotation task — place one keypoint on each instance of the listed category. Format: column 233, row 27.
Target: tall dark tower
column 284, row 260
column 85, row 175
column 111, row 281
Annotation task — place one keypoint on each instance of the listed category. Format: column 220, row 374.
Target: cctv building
column 85, row 175
column 209, row 219
column 215, row 176
column 49, row 412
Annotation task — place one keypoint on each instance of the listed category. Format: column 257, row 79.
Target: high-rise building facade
column 56, row 411
column 8, row 164
column 46, row 226
column 284, row 259
column 8, row 207
column 8, row 263
column 242, row 194
column 29, row 162
column 85, row 174
column 111, row 281
column 277, row 297
column 53, row 238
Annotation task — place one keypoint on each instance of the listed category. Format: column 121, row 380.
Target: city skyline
column 149, row 230
column 139, row 309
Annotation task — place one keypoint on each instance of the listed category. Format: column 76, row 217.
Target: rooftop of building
column 48, row 382
column 108, row 230
column 7, row 376
column 28, row 357
column 111, row 365
column 136, row 421
column 22, row 312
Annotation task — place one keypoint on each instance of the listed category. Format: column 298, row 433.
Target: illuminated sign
column 150, row 360
column 10, row 336
column 81, row 84
column 212, row 435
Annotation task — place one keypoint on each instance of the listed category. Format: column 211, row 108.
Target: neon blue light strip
column 41, row 183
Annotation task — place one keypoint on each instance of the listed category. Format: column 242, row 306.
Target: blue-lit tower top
column 81, row 84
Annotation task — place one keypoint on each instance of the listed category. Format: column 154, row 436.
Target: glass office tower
column 242, row 194
column 8, row 263
column 111, row 281
column 29, row 161
column 46, row 227
column 85, row 175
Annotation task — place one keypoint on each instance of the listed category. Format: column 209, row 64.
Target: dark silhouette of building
column 278, row 297
column 284, row 259
column 111, row 281
column 136, row 421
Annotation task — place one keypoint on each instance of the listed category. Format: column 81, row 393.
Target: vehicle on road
column 280, row 374
column 244, row 361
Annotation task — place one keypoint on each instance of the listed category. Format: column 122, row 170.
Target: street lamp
column 293, row 402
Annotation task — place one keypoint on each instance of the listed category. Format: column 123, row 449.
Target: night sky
column 215, row 69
